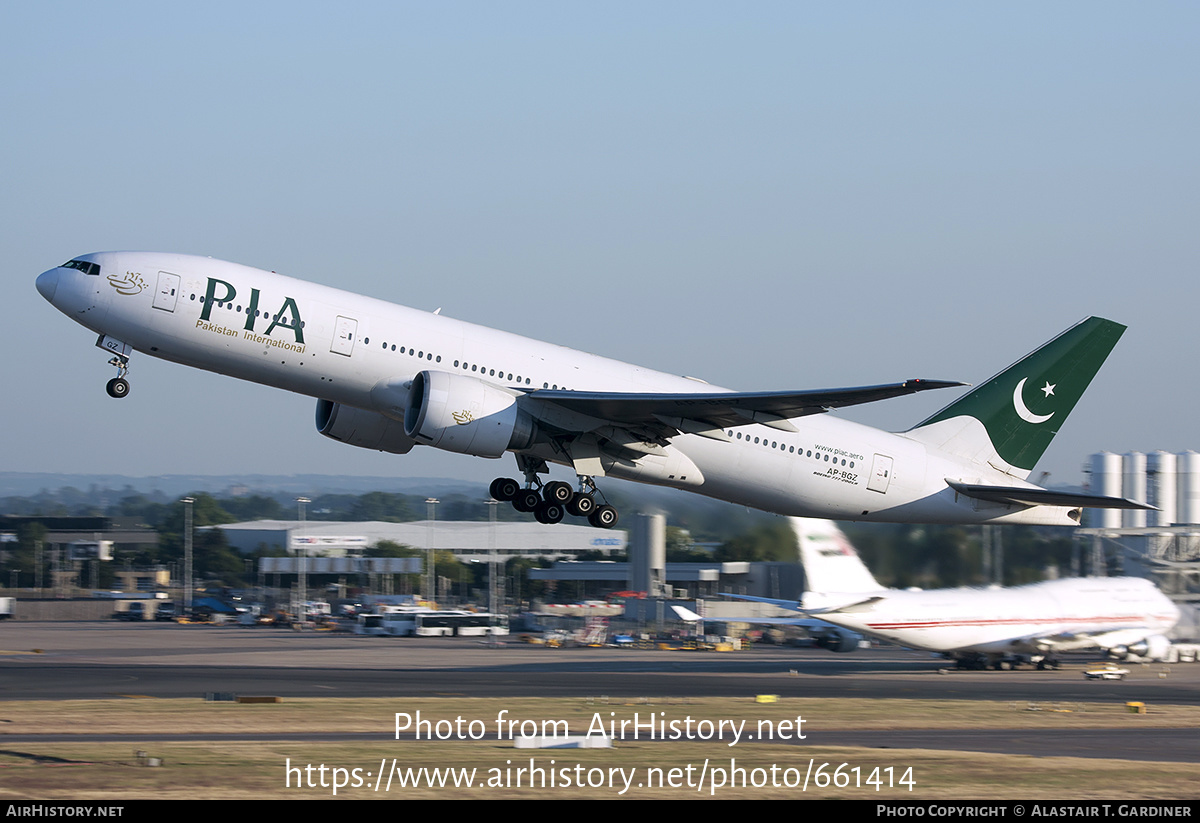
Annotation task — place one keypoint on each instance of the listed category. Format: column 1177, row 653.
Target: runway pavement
column 97, row 660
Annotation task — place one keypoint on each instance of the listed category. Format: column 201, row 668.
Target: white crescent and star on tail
column 1023, row 411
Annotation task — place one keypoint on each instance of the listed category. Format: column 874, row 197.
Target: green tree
column 23, row 554
column 682, row 549
column 206, row 511
column 772, row 541
column 216, row 561
column 382, row 506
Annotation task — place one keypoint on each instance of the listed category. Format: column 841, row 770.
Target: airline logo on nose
column 127, row 283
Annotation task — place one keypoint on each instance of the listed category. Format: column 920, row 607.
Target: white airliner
column 999, row 627
column 388, row 377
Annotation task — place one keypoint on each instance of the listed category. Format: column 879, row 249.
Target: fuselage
column 1057, row 615
column 362, row 352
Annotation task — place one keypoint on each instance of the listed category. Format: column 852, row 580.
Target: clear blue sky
column 768, row 196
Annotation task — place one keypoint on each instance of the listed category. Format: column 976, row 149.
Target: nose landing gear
column 118, row 387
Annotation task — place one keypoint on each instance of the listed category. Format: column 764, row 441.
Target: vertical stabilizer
column 1009, row 420
column 831, row 565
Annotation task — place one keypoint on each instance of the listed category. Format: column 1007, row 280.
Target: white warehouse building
column 468, row 540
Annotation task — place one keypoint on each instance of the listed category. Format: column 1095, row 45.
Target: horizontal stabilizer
column 1043, row 497
column 684, row 613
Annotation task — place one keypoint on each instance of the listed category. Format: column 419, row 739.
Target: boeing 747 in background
column 389, row 378
column 977, row 627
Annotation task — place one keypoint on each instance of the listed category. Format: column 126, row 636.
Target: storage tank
column 1187, row 476
column 1135, row 489
column 1105, row 470
column 1161, row 490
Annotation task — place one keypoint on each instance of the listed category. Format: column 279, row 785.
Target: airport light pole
column 430, row 573
column 187, row 555
column 302, row 550
column 493, row 577
column 492, row 556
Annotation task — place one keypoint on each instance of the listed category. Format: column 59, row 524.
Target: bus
column 412, row 621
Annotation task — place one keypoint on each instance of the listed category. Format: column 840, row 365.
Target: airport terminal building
column 468, row 540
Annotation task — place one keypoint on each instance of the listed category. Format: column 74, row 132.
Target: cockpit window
column 83, row 266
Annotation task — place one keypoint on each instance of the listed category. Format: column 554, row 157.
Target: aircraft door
column 343, row 335
column 881, row 473
column 167, row 291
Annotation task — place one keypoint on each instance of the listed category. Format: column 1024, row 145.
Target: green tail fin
column 1023, row 407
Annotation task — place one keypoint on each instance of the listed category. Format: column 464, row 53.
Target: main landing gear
column 555, row 500
column 119, row 387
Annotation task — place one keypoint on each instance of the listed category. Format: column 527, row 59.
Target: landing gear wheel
column 557, row 492
column 504, row 488
column 549, row 513
column 604, row 517
column 582, row 505
column 526, row 500
column 117, row 387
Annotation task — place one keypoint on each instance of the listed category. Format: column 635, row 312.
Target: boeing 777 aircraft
column 998, row 627
column 388, row 377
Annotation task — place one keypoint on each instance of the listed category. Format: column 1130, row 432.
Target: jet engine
column 838, row 640
column 466, row 415
column 1154, row 647
column 366, row 429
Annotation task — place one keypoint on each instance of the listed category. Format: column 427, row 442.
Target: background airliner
column 388, row 377
column 978, row 627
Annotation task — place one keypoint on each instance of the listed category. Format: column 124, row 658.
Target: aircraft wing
column 690, row 616
column 716, row 410
column 849, row 603
column 804, row 622
column 783, row 604
column 1043, row 497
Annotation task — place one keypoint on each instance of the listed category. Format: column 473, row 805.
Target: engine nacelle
column 465, row 415
column 1154, row 647
column 838, row 640
column 365, row 429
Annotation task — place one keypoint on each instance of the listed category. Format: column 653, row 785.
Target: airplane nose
column 47, row 284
